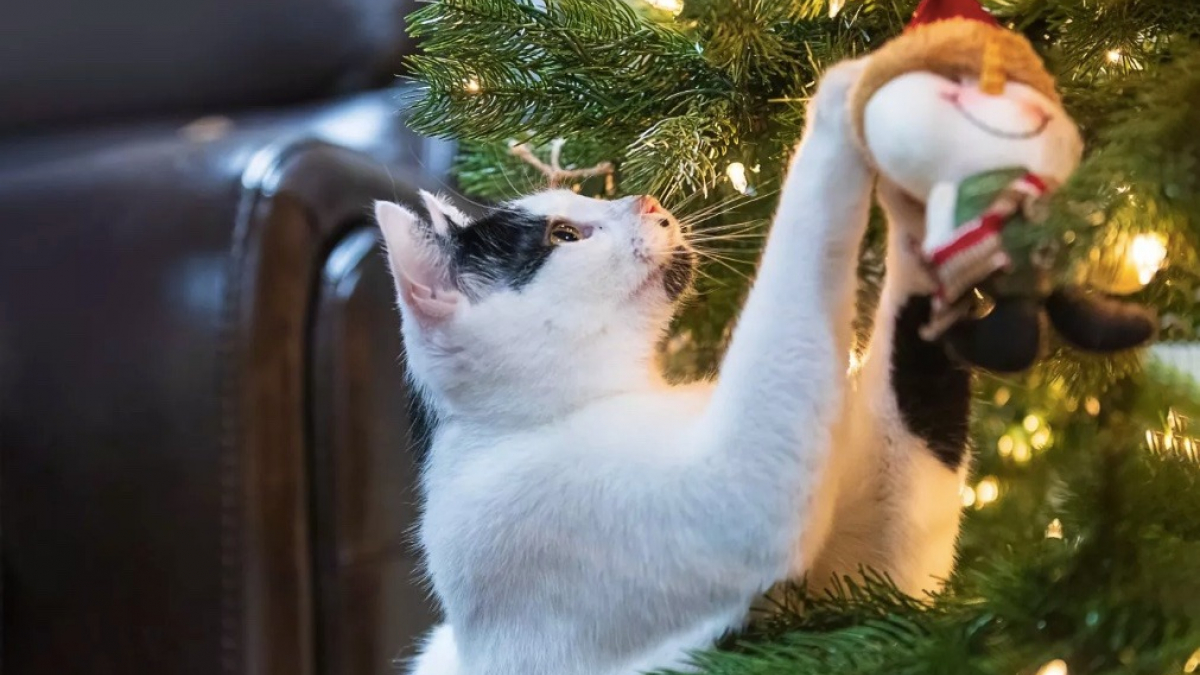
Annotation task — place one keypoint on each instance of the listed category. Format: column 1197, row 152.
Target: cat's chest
column 554, row 500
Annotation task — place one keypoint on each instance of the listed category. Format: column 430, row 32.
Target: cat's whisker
column 718, row 207
column 717, row 255
column 734, row 237
column 752, row 224
column 730, row 228
column 725, row 206
column 732, row 269
column 727, row 262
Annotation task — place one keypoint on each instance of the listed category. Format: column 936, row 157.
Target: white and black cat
column 582, row 516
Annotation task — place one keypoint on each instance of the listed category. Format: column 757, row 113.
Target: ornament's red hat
column 930, row 11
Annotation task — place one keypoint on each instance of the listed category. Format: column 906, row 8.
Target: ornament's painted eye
column 561, row 232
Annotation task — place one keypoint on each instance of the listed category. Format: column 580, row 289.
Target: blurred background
column 203, row 417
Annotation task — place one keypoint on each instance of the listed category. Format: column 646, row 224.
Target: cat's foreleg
column 783, row 377
column 905, row 429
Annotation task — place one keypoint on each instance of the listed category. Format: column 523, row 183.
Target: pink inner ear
column 431, row 304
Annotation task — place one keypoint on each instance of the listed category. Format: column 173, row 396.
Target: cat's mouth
column 674, row 275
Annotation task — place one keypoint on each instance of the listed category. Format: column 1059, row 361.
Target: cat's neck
column 517, row 382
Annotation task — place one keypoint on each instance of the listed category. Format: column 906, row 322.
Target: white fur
column 896, row 507
column 583, row 517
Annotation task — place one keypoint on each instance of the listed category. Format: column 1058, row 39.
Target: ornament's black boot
column 1007, row 340
column 1097, row 323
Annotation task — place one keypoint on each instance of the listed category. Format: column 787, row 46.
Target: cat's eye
column 563, row 233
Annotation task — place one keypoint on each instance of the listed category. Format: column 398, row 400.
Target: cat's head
column 552, row 291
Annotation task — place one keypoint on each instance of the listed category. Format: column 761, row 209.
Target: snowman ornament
column 961, row 115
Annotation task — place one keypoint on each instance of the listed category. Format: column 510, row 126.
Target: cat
column 584, row 517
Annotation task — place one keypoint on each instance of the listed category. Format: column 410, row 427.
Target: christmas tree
column 1081, row 550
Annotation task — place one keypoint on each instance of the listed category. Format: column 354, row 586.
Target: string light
column 1055, row 667
column 1002, row 396
column 672, row 6
column 987, row 491
column 835, row 7
column 1031, row 423
column 1040, row 439
column 1021, row 453
column 1054, row 530
column 1092, row 406
column 967, row 493
column 1193, row 663
column 1114, row 56
column 1147, row 253
column 471, row 85
column 1175, row 439
column 737, row 177
column 1005, row 445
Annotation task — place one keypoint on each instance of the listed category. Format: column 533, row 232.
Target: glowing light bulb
column 471, row 86
column 1193, row 663
column 1054, row 530
column 987, row 491
column 737, row 177
column 1002, row 396
column 1031, row 423
column 835, row 7
column 1092, row 406
column 1005, row 445
column 1021, row 453
column 1113, row 56
column 1174, row 420
column 1040, row 439
column 1055, row 667
column 968, row 496
column 672, row 6
column 1147, row 253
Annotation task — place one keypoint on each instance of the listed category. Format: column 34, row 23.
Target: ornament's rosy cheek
column 1033, row 111
column 950, row 93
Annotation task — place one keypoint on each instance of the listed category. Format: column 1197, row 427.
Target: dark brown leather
column 364, row 486
column 67, row 61
column 203, row 436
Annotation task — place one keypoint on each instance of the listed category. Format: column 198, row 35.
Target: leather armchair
column 207, row 455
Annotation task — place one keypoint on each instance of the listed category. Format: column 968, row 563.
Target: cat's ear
column 442, row 214
column 419, row 265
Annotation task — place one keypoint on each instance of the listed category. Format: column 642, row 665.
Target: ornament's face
column 923, row 129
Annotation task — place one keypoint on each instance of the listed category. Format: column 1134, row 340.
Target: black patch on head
column 507, row 246
column 932, row 391
column 679, row 272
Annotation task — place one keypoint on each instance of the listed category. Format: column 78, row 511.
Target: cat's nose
column 649, row 206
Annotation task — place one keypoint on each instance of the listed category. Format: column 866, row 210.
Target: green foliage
column 1119, row 592
column 673, row 100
